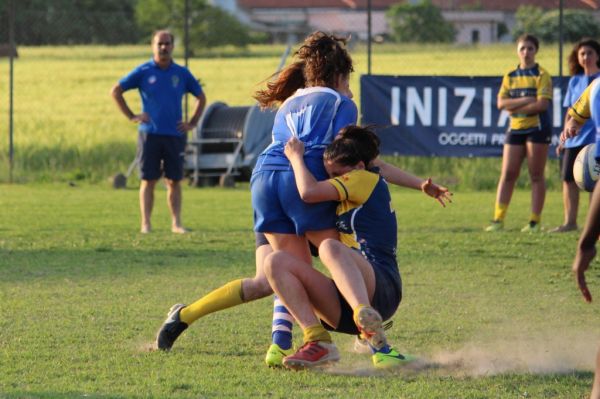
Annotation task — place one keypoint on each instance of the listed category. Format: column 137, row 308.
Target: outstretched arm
column 397, row 176
column 309, row 188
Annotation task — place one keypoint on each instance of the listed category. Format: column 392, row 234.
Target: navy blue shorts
column 567, row 159
column 278, row 207
column 161, row 155
column 539, row 136
column 386, row 299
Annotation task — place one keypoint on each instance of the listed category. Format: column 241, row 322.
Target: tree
column 545, row 25
column 40, row 22
column 421, row 22
column 208, row 26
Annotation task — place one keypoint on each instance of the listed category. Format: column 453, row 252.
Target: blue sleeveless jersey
column 314, row 115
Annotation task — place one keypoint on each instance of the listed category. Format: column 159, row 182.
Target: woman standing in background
column 584, row 66
column 525, row 94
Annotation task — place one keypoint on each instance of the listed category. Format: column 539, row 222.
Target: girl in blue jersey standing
column 584, row 65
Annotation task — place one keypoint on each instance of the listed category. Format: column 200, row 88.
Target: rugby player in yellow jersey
column 365, row 286
column 526, row 93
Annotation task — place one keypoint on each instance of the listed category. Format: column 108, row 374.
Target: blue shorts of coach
column 161, row 155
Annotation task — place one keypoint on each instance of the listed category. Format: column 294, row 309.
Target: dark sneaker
column 171, row 328
column 312, row 354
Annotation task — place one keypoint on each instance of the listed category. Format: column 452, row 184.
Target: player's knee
column 273, row 264
column 330, row 248
column 510, row 175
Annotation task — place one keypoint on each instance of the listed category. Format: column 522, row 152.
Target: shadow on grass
column 105, row 262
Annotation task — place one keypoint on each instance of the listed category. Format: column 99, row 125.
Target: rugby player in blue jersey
column 584, row 65
column 162, row 131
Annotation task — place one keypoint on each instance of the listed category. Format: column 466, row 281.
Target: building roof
column 492, row 5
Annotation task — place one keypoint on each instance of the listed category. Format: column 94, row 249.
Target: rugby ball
column 585, row 168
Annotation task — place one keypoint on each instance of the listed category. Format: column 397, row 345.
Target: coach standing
column 162, row 84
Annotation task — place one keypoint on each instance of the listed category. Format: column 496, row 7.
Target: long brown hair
column 574, row 67
column 321, row 59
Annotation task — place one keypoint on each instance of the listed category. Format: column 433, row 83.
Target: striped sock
column 282, row 325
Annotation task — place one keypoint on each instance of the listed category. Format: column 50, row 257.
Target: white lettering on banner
column 487, row 107
column 460, row 119
column 497, row 139
column 557, row 117
column 463, row 139
column 395, row 109
column 442, row 106
column 422, row 108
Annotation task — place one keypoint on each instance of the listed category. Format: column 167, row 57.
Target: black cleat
column 171, row 328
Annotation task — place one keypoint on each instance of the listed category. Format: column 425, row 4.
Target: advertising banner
column 448, row 116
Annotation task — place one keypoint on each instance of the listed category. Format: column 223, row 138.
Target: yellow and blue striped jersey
column 588, row 106
column 366, row 219
column 532, row 82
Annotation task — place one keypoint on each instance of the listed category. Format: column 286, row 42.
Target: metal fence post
column 11, row 51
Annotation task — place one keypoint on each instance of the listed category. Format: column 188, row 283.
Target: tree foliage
column 208, row 26
column 545, row 24
column 39, row 22
column 421, row 22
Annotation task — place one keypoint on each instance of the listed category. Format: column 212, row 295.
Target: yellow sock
column 224, row 297
column 535, row 217
column 500, row 211
column 316, row 333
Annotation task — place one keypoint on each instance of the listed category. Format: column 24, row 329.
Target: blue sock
column 385, row 349
column 282, row 325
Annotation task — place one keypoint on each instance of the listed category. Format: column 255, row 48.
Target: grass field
column 82, row 294
column 68, row 128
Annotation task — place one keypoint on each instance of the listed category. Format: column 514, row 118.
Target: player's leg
column 350, row 271
column 512, row 158
column 149, row 155
column 570, row 191
column 537, row 154
column 305, row 290
column 596, row 387
column 173, row 158
column 229, row 295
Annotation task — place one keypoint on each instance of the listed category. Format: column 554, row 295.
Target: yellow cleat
column 497, row 225
column 275, row 355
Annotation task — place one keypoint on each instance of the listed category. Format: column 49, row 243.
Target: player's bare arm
column 309, row 188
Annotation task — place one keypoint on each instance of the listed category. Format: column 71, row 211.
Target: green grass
column 82, row 294
column 68, row 128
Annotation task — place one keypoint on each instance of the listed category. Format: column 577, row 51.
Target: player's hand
column 559, row 148
column 294, row 148
column 141, row 118
column 580, row 266
column 440, row 193
column 571, row 129
column 185, row 127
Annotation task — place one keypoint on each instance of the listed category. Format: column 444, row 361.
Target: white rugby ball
column 585, row 168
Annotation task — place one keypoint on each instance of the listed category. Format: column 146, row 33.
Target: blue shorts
column 278, row 207
column 161, row 154
column 386, row 299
